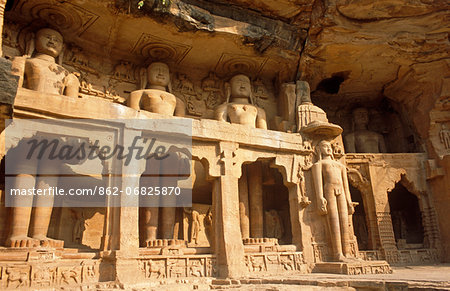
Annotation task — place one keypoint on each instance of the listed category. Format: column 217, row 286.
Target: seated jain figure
column 41, row 72
column 333, row 198
column 363, row 140
column 240, row 110
column 158, row 97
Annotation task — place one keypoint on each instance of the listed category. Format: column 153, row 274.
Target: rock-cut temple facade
column 309, row 136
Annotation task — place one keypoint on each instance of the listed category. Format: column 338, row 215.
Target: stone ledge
column 32, row 104
column 353, row 268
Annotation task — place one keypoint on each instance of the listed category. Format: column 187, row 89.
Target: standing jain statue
column 241, row 109
column 362, row 140
column 158, row 97
column 39, row 71
column 333, row 198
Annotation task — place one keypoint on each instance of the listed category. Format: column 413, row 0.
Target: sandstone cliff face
column 357, row 51
column 393, row 49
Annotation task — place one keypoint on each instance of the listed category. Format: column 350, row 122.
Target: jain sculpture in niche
column 158, row 97
column 239, row 107
column 362, row 140
column 333, row 199
column 39, row 71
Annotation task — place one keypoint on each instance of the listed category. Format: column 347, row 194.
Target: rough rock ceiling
column 350, row 51
column 295, row 12
column 364, row 51
column 184, row 34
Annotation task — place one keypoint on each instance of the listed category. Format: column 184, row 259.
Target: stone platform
column 353, row 268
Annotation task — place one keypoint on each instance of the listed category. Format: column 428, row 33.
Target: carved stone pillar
column 383, row 215
column 301, row 234
column 255, row 181
column 126, row 231
column 229, row 249
column 243, row 204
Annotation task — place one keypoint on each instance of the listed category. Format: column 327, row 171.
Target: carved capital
column 230, row 164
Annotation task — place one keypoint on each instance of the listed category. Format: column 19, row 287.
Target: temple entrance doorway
column 360, row 220
column 406, row 218
column 264, row 204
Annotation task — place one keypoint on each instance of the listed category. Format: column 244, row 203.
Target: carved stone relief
column 18, row 277
column 444, row 135
column 274, row 263
column 197, row 224
column 67, row 16
column 177, row 267
column 158, row 49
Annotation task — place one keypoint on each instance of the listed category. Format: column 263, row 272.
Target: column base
column 28, row 242
column 161, row 243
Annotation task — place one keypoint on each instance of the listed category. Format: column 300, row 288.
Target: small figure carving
column 196, row 269
column 195, row 224
column 185, row 89
column 176, row 269
column 444, row 135
column 260, row 93
column 185, row 85
column 67, row 275
column 338, row 151
column 274, row 225
column 212, row 92
column 207, row 222
column 362, row 140
column 17, row 278
column 211, row 268
column 288, row 263
column 255, row 265
column 79, row 226
column 41, row 72
column 79, row 58
column 90, row 271
column 260, row 89
column 333, row 198
column 10, row 33
column 155, row 268
column 124, row 71
column 43, row 277
column 158, row 97
column 241, row 109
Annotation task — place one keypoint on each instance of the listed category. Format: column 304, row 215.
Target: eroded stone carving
column 185, row 89
column 444, row 135
column 124, row 71
column 274, row 225
column 362, row 140
column 212, row 92
column 18, row 277
column 79, row 226
column 195, row 224
column 239, row 106
column 158, row 97
column 333, row 198
column 40, row 71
